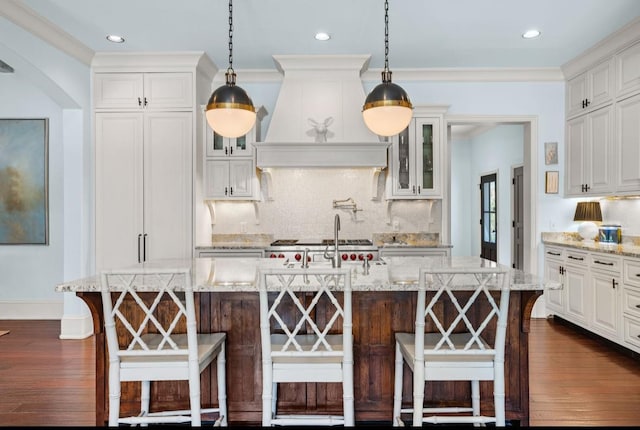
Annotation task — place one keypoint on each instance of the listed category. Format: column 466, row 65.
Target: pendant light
column 387, row 109
column 230, row 111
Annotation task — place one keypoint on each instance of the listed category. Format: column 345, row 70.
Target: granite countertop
column 235, row 241
column 630, row 246
column 240, row 274
column 381, row 240
column 417, row 240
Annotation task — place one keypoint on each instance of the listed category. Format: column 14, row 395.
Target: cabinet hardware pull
column 231, row 150
column 225, row 191
column 226, row 150
column 145, row 101
column 414, row 189
column 139, row 236
column 418, row 189
column 576, row 258
column 638, row 275
column 638, row 306
column 553, row 253
column 231, row 191
column 139, row 102
column 603, row 262
column 613, row 283
column 144, row 247
column 587, row 102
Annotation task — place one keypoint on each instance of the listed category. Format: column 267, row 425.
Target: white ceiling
column 422, row 33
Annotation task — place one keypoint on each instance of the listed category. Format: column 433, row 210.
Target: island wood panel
column 376, row 317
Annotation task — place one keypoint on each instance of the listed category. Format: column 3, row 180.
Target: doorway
column 489, row 217
column 451, row 220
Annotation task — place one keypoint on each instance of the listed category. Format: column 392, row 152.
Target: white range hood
column 319, row 91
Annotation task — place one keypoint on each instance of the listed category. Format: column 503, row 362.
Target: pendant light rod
column 387, row 109
column 230, row 68
column 230, row 111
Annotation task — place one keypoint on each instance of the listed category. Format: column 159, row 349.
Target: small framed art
column 551, row 179
column 550, row 153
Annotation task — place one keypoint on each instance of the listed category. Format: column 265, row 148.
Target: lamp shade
column 387, row 109
column 230, row 111
column 588, row 211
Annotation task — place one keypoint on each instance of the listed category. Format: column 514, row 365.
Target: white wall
column 48, row 83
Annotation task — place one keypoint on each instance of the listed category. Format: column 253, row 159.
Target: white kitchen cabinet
column 577, row 284
column 600, row 292
column 229, row 166
column 631, row 303
column 124, row 91
column 590, row 90
column 145, row 132
column 628, row 71
column 627, row 143
column 415, row 161
column 553, row 268
column 228, row 179
column 143, row 187
column 606, row 276
column 589, row 154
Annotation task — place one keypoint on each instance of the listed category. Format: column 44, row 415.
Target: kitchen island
column 383, row 303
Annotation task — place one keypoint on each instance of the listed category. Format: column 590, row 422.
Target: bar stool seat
column 465, row 345
column 303, row 346
column 150, row 325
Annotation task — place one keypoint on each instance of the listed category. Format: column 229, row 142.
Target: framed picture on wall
column 24, row 187
column 550, row 153
column 551, row 179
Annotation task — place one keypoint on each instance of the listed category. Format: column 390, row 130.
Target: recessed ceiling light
column 531, row 34
column 322, row 36
column 115, row 38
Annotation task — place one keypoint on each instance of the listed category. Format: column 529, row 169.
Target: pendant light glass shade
column 387, row 109
column 230, row 111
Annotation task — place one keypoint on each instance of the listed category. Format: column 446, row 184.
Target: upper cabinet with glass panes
column 415, row 157
column 219, row 146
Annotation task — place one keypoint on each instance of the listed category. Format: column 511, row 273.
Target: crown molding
column 546, row 74
column 608, row 46
column 20, row 14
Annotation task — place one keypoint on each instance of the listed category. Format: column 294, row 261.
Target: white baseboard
column 76, row 327
column 23, row 310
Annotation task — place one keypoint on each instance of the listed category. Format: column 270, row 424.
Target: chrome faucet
column 335, row 257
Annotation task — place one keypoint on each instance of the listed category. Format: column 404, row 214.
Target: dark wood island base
column 377, row 315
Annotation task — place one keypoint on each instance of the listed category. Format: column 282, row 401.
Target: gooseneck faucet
column 336, row 261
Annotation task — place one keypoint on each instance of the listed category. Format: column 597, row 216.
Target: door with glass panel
column 488, row 217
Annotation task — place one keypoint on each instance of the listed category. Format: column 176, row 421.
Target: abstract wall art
column 24, row 195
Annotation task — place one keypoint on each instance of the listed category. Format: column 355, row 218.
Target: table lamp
column 588, row 212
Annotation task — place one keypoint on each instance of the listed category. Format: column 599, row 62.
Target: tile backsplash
column 300, row 205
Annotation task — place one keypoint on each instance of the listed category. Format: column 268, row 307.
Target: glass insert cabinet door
column 219, row 146
column 415, row 153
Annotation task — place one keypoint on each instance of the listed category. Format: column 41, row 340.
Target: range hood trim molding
column 326, row 154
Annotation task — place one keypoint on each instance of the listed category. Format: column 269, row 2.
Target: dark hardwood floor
column 575, row 380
